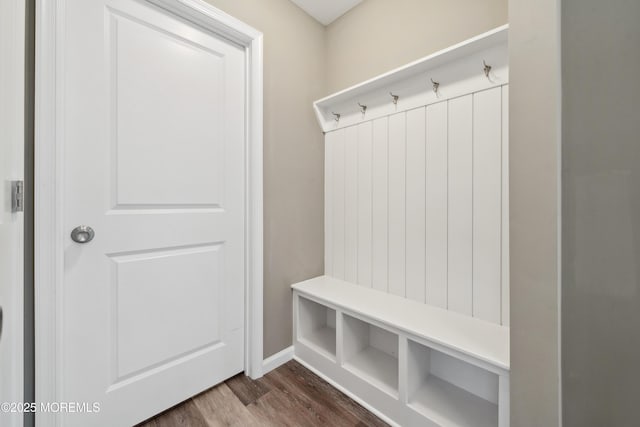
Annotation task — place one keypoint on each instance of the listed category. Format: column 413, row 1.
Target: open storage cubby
column 450, row 391
column 411, row 364
column 317, row 326
column 371, row 352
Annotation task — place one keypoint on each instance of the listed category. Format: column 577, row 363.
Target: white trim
column 12, row 49
column 404, row 80
column 460, row 50
column 49, row 179
column 277, row 360
column 205, row 15
column 254, row 294
column 47, row 260
column 361, row 402
column 559, row 225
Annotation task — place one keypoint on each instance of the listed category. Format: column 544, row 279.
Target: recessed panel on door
column 164, row 117
column 165, row 305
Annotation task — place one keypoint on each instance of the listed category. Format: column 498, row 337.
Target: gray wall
column 601, row 212
column 379, row 35
column 534, row 144
column 294, row 76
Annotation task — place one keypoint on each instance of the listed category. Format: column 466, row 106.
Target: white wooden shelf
column 318, row 327
column 324, row 339
column 458, row 69
column 446, row 404
column 449, row 391
column 377, row 367
column 476, row 338
column 371, row 352
column 409, row 363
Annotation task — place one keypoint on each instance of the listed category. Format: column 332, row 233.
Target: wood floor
column 288, row 396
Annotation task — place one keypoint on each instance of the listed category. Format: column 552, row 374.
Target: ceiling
column 326, row 11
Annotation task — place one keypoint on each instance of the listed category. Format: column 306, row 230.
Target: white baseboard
column 362, row 403
column 280, row 358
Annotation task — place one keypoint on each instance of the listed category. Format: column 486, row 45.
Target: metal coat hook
column 395, row 98
column 363, row 108
column 436, row 86
column 487, row 69
column 336, row 116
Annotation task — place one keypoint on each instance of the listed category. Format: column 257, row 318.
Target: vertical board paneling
column 328, row 202
column 415, row 205
column 487, row 204
column 397, row 208
column 379, row 236
column 351, row 205
column 338, row 202
column 505, row 206
column 364, row 203
column 460, row 273
column 436, row 207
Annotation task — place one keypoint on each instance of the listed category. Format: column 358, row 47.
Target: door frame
column 12, row 31
column 49, row 175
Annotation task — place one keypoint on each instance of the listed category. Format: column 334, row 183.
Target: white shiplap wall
column 417, row 204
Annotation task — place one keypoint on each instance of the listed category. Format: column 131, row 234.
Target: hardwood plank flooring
column 246, row 389
column 309, row 384
column 221, row 407
column 185, row 414
column 290, row 396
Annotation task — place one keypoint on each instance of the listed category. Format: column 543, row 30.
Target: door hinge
column 17, row 196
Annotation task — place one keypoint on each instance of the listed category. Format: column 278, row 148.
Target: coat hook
column 363, row 108
column 487, row 69
column 395, row 98
column 436, row 86
column 336, row 116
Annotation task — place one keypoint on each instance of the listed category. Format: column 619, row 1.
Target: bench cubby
column 317, row 326
column 409, row 363
column 371, row 352
column 446, row 389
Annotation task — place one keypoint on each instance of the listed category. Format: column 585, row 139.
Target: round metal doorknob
column 82, row 234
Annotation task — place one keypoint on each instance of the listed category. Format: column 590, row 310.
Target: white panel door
column 460, row 205
column 11, row 223
column 487, row 204
column 152, row 309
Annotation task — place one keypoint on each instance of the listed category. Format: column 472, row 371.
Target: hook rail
column 436, row 86
column 487, row 69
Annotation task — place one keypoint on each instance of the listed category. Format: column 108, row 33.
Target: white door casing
column 12, row 69
column 154, row 142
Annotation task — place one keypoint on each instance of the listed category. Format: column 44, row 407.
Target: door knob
column 82, row 234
